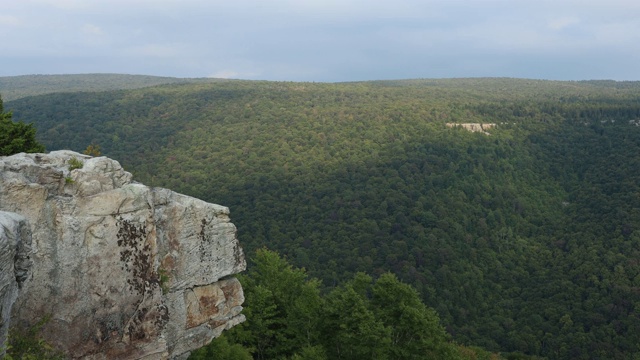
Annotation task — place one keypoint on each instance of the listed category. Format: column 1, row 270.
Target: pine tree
column 16, row 137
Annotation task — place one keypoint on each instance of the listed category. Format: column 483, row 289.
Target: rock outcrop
column 121, row 270
column 473, row 127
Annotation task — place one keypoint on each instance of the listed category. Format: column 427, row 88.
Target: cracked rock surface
column 123, row 270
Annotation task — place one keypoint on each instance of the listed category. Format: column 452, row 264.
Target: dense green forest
column 523, row 240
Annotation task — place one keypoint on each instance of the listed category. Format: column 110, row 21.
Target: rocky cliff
column 119, row 269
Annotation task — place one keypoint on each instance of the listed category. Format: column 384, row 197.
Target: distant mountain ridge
column 16, row 87
column 20, row 86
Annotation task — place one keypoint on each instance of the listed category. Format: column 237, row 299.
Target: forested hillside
column 526, row 239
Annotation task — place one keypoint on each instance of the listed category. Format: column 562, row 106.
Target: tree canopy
column 289, row 318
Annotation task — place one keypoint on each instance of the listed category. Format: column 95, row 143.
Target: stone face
column 123, row 270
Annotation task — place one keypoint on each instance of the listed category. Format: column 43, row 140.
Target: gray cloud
column 325, row 40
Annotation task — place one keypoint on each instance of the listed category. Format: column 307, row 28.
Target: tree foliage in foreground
column 16, row 137
column 288, row 318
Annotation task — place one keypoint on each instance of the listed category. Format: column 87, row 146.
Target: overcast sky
column 324, row 40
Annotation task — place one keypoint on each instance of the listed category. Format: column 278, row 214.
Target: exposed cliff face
column 474, row 127
column 124, row 270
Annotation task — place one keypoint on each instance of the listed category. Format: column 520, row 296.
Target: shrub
column 29, row 345
column 74, row 163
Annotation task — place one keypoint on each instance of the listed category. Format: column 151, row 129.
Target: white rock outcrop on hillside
column 473, row 127
column 123, row 270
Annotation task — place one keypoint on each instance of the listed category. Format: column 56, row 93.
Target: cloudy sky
column 324, row 40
